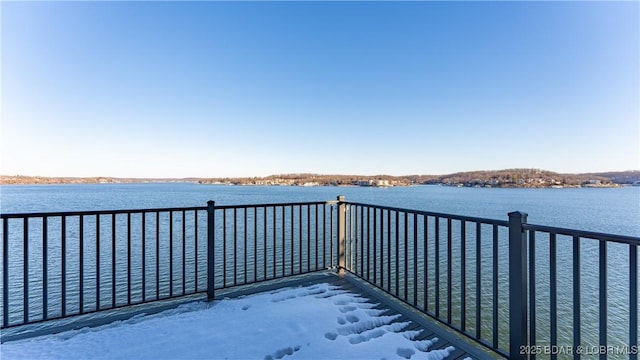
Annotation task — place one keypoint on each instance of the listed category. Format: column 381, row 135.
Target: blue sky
column 208, row 89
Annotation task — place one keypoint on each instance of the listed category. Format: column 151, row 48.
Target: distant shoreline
column 510, row 178
column 339, row 186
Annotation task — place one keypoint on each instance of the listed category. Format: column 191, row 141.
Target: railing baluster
column 97, row 261
column 341, row 232
column 358, row 240
column 532, row 289
column 316, row 235
column 495, row 287
column 388, row 250
column 255, row 244
column 362, row 256
column 170, row 253
column 633, row 300
column 224, row 248
column 381, row 257
column 361, row 241
column 184, row 251
column 113, row 259
column 415, row 259
column 235, row 246
column 331, row 235
column 211, row 249
column 308, row 237
column 195, row 252
column 437, row 265
column 143, row 229
column 352, row 236
column 81, row 261
column 463, row 276
column 5, row 272
column 553, row 292
column 375, row 246
column 324, row 235
column 348, row 237
column 372, row 223
column 367, row 254
column 293, row 243
column 365, row 242
column 283, row 240
column 157, row 255
column 397, row 254
column 355, row 239
column 128, row 258
column 25, row 269
column 449, row 271
column 45, row 268
column 63, row 270
column 603, row 296
column 274, row 240
column 299, row 238
column 478, row 280
column 353, row 219
column 406, row 256
column 425, row 250
column 576, row 295
column 244, row 250
column 264, row 241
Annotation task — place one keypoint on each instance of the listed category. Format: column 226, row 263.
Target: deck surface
column 426, row 333
column 464, row 348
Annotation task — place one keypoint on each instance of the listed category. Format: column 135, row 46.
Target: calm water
column 612, row 210
column 615, row 210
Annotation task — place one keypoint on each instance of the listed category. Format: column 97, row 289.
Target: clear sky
column 208, row 89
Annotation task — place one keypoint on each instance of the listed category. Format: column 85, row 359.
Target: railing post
column 517, row 286
column 342, row 247
column 211, row 264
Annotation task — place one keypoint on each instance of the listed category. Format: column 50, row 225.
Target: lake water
column 609, row 210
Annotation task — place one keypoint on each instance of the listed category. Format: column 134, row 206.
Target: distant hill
column 620, row 177
column 488, row 178
column 314, row 180
column 36, row 180
column 521, row 178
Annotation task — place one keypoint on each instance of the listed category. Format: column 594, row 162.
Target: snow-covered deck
column 321, row 316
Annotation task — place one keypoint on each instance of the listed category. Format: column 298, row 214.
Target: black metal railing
column 255, row 243
column 506, row 284
column 482, row 277
column 586, row 270
column 443, row 265
column 56, row 265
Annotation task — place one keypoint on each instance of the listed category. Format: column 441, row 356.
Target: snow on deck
column 320, row 321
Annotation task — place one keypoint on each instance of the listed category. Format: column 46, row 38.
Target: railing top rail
column 625, row 239
column 329, row 202
column 435, row 214
column 131, row 211
column 97, row 212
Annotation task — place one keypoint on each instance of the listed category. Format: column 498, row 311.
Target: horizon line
column 309, row 173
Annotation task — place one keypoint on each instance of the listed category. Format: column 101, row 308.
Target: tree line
column 492, row 178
